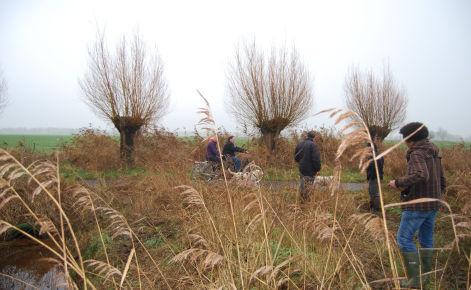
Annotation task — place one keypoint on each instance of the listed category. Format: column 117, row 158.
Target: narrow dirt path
column 274, row 184
column 294, row 184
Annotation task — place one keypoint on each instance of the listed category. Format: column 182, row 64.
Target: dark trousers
column 306, row 184
column 213, row 159
column 373, row 191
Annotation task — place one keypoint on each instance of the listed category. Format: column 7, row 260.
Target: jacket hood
column 426, row 146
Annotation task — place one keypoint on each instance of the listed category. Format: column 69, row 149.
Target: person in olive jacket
column 309, row 161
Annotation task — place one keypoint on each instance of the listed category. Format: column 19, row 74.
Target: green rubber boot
column 426, row 259
column 411, row 264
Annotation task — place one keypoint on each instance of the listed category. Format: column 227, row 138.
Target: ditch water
column 26, row 265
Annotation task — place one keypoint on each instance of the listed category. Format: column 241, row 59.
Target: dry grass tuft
column 372, row 223
column 204, row 259
column 102, row 269
column 105, row 150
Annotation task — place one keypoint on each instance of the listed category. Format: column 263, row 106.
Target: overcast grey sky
column 43, row 52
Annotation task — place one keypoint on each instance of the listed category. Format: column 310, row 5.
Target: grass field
column 43, row 143
column 440, row 143
column 168, row 225
column 47, row 143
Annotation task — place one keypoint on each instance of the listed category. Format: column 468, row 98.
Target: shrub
column 159, row 149
column 92, row 149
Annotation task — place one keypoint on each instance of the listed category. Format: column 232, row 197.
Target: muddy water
column 26, row 265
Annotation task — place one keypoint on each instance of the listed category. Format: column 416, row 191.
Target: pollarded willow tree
column 269, row 92
column 379, row 101
column 127, row 88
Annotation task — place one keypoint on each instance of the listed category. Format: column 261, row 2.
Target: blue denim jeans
column 411, row 222
column 237, row 163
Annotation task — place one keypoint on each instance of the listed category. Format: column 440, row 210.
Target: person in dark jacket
column 424, row 179
column 309, row 165
column 299, row 147
column 372, row 178
column 230, row 149
column 212, row 152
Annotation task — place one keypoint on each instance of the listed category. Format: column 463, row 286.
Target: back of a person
column 298, row 151
column 424, row 179
column 430, row 186
column 371, row 170
column 308, row 156
column 212, row 151
column 208, row 150
column 228, row 149
column 309, row 164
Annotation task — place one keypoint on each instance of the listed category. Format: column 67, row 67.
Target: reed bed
column 162, row 230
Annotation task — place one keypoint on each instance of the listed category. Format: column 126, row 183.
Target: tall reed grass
column 155, row 233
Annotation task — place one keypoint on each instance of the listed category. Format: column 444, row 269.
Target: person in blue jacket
column 212, row 152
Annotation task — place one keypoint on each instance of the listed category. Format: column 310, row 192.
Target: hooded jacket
column 309, row 158
column 424, row 178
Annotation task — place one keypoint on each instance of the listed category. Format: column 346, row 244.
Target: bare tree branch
column 269, row 93
column 127, row 88
column 379, row 101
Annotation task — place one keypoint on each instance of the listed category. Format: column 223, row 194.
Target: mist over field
column 44, row 45
column 235, row 144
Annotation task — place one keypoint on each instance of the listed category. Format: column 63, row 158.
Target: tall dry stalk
column 46, row 177
column 260, row 265
column 12, row 169
column 61, row 218
column 357, row 133
column 210, row 123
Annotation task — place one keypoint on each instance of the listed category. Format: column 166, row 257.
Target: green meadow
column 43, row 143
column 47, row 143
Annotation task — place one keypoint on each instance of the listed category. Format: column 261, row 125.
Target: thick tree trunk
column 127, row 135
column 270, row 141
column 270, row 137
column 127, row 131
column 271, row 130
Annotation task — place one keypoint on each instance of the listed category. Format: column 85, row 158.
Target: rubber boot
column 426, row 257
column 411, row 264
